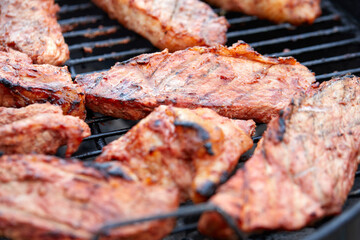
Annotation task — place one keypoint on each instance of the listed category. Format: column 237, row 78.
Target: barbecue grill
column 330, row 47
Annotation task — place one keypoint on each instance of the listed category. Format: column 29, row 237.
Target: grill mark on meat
column 175, row 70
column 73, row 106
column 282, row 126
column 174, row 10
column 201, row 132
column 162, row 62
column 109, row 169
column 207, row 189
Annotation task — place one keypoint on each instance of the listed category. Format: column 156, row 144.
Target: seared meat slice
column 303, row 168
column 44, row 197
column 23, row 83
column 10, row 115
column 40, row 128
column 236, row 82
column 293, row 11
column 171, row 24
column 30, row 27
column 192, row 150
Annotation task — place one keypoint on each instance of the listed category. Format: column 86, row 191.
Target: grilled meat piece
column 40, row 128
column 293, row 11
column 192, row 150
column 303, row 168
column 171, row 24
column 236, row 82
column 30, row 27
column 44, row 197
column 23, row 83
column 10, row 115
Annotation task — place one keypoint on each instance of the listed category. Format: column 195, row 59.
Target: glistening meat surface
column 293, row 11
column 40, row 128
column 190, row 150
column 23, row 83
column 44, row 197
column 303, row 168
column 236, row 82
column 170, row 24
column 30, row 27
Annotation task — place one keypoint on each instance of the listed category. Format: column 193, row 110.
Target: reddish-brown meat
column 30, row 27
column 23, row 83
column 10, row 115
column 303, row 168
column 293, row 11
column 40, row 128
column 46, row 198
column 192, row 150
column 170, row 24
column 236, row 82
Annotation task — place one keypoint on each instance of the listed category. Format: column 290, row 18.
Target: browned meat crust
column 30, row 27
column 236, row 82
column 46, row 198
column 192, row 150
column 171, row 24
column 23, row 83
column 293, row 11
column 303, row 168
column 40, row 128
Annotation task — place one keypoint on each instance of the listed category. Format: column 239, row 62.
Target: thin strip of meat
column 44, row 197
column 23, row 83
column 30, row 27
column 236, row 82
column 303, row 168
column 40, row 128
column 192, row 150
column 293, row 11
column 170, row 24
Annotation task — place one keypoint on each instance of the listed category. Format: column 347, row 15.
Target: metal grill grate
column 329, row 47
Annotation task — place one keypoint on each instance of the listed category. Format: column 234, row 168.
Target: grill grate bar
column 74, row 75
column 355, row 193
column 187, row 227
column 334, row 74
column 107, row 134
column 113, row 55
column 276, row 27
column 98, row 44
column 80, row 20
column 316, row 47
column 75, row 7
column 91, row 32
column 347, row 56
column 99, row 119
column 294, row 38
column 244, row 19
column 87, row 154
